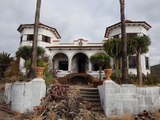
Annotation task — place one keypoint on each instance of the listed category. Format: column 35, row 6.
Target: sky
column 76, row 19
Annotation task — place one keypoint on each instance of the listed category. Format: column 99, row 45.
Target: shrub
column 49, row 77
column 150, row 80
column 13, row 73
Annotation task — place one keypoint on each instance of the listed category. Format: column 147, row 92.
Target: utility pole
column 32, row 72
column 124, row 43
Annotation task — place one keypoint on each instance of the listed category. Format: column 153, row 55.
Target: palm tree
column 100, row 59
column 25, row 52
column 113, row 48
column 34, row 50
column 124, row 43
column 138, row 46
column 5, row 61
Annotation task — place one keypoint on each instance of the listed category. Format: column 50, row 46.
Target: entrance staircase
column 92, row 95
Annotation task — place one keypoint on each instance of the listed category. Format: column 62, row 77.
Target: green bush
column 150, row 80
column 42, row 63
column 115, row 78
column 48, row 77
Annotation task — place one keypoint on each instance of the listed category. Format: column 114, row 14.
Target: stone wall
column 23, row 96
column 119, row 99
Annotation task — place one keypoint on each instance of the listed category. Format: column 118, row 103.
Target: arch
column 77, row 79
column 80, row 63
column 60, row 61
column 51, row 56
column 83, row 52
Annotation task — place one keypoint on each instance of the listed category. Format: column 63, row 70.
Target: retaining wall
column 23, row 96
column 119, row 99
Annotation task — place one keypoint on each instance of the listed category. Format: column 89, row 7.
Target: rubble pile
column 65, row 103
column 145, row 115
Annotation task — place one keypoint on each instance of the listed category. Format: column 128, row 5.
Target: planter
column 39, row 72
column 108, row 73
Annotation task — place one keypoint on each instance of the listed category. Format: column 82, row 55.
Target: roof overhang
column 128, row 23
column 55, row 32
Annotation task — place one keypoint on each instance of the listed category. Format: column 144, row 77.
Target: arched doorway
column 80, row 63
column 60, row 62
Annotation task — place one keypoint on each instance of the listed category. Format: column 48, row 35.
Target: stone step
column 89, row 93
column 94, row 90
column 92, row 100
column 90, row 96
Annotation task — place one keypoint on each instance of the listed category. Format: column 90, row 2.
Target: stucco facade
column 75, row 57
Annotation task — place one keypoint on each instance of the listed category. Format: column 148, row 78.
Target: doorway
column 80, row 63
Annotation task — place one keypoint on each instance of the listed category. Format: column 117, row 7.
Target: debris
column 65, row 103
column 6, row 108
column 145, row 115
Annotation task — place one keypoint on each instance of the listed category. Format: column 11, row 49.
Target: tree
column 25, row 52
column 5, row 61
column 138, row 46
column 100, row 59
column 124, row 43
column 113, row 48
column 34, row 50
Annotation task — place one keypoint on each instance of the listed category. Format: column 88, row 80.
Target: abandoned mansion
column 74, row 57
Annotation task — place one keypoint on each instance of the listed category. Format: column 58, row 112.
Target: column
column 69, row 65
column 90, row 66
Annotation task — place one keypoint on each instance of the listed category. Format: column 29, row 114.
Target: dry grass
column 37, row 118
column 51, row 115
column 18, row 116
column 158, row 115
column 127, row 117
column 124, row 117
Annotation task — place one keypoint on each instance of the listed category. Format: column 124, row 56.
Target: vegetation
column 139, row 45
column 148, row 79
column 48, row 77
column 5, row 62
column 113, row 48
column 101, row 59
column 42, row 63
column 25, row 52
column 13, row 73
